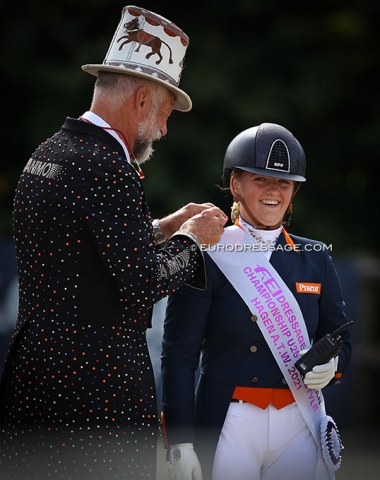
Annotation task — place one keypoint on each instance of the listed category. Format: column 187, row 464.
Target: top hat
column 149, row 46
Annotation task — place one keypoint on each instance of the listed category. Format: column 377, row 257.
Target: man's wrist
column 159, row 236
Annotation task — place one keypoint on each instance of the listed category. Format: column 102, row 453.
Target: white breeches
column 269, row 444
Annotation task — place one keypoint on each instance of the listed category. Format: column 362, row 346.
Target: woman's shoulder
column 313, row 248
column 304, row 240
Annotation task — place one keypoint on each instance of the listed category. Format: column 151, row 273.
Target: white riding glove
column 320, row 375
column 183, row 463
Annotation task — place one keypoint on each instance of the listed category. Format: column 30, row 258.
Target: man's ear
column 143, row 102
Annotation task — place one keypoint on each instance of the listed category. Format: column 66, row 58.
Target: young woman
column 269, row 296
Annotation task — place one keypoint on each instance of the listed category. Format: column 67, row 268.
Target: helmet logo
column 278, row 157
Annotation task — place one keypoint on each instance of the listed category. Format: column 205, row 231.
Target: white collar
column 266, row 235
column 96, row 120
column 265, row 238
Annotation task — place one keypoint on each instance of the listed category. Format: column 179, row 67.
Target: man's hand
column 174, row 221
column 183, row 463
column 207, row 226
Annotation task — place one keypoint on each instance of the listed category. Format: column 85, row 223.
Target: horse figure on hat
column 135, row 34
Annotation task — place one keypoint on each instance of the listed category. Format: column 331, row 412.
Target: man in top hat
column 78, row 393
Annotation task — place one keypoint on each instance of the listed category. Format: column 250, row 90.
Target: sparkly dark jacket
column 89, row 274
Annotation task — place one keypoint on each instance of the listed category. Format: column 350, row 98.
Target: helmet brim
column 273, row 173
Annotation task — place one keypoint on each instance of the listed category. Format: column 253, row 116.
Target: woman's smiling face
column 263, row 200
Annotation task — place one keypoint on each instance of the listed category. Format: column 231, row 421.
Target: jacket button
column 254, row 380
column 284, row 381
column 254, row 318
column 253, row 349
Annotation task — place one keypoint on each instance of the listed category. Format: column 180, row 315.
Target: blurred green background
column 312, row 67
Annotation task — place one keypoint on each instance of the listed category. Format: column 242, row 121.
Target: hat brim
column 182, row 101
column 273, row 173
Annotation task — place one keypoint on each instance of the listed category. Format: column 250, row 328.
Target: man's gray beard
column 143, row 149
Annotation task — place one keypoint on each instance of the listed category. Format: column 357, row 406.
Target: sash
column 280, row 320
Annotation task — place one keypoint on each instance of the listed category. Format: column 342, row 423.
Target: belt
column 262, row 397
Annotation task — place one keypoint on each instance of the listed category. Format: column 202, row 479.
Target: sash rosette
column 331, row 443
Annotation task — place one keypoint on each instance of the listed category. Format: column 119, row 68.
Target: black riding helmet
column 266, row 149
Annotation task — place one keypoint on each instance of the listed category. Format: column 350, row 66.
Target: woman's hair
column 235, row 209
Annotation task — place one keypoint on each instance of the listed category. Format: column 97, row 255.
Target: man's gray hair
column 117, row 87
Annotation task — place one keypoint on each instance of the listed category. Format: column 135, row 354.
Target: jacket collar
column 86, row 128
column 283, row 259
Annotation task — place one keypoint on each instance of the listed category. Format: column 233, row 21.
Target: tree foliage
column 313, row 68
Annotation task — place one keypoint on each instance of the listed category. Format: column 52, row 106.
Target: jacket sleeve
column 110, row 200
column 184, row 328
column 332, row 313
